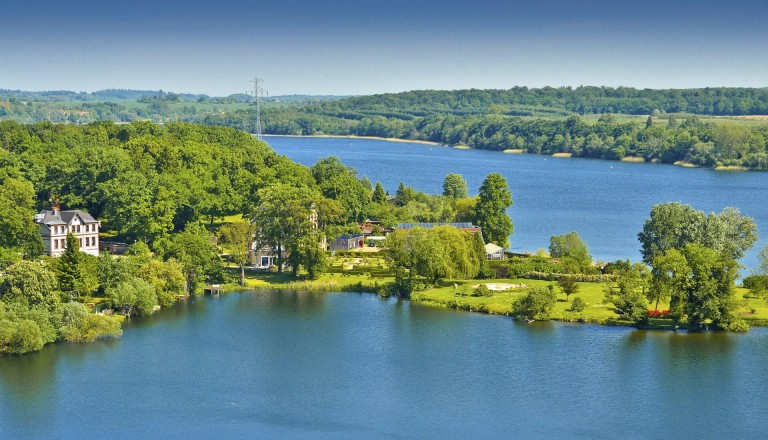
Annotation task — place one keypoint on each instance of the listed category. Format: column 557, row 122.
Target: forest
column 182, row 195
column 672, row 126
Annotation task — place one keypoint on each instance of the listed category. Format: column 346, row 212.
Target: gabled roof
column 49, row 217
column 491, row 248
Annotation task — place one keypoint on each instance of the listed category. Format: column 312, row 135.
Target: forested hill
column 673, row 125
column 142, row 180
column 563, row 101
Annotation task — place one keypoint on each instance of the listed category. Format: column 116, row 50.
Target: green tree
column 627, row 295
column 283, row 217
column 665, row 279
column 433, row 254
column 763, row 257
column 379, row 195
column 404, row 195
column 238, row 237
column 30, row 284
column 454, row 186
column 78, row 324
column 166, row 277
column 112, row 271
column 338, row 182
column 75, row 270
column 673, row 225
column 535, row 305
column 491, row 210
column 704, row 291
column 17, row 229
column 570, row 245
column 134, row 296
column 568, row 285
column 305, row 251
column 199, row 257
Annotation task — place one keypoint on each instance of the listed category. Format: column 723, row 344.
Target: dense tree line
column 538, row 121
column 548, row 101
column 671, row 140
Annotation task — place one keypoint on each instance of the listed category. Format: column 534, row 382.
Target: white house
column 55, row 225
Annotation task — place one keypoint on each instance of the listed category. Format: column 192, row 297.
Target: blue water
column 606, row 202
column 351, row 366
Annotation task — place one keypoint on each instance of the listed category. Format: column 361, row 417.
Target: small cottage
column 348, row 242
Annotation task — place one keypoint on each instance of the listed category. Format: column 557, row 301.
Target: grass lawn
column 327, row 282
column 501, row 302
column 368, row 273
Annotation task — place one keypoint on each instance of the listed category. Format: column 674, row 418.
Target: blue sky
column 367, row 46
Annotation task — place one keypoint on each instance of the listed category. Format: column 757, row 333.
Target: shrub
column 481, row 290
column 578, row 304
column 757, row 285
column 536, row 304
column 738, row 325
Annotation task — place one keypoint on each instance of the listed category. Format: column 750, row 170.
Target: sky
column 377, row 46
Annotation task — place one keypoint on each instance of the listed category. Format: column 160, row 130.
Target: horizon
column 300, row 47
column 181, row 92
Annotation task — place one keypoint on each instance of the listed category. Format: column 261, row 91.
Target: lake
column 606, row 202
column 351, row 366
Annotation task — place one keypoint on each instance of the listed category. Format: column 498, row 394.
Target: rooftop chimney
column 55, row 207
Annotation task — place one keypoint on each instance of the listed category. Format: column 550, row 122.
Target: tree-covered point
column 693, row 259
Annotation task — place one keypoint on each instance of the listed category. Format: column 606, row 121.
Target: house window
column 55, row 244
column 264, row 261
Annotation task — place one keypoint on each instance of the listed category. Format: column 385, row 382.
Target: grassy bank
column 354, row 280
column 456, row 294
column 369, row 274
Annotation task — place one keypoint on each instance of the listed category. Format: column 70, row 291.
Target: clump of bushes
column 535, row 305
column 482, row 290
column 578, row 304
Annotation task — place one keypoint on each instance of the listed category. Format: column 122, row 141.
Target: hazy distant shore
column 409, row 141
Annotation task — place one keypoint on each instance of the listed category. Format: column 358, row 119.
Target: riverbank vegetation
column 185, row 194
column 711, row 127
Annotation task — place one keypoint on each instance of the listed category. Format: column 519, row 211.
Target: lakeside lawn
column 456, row 294
column 369, row 273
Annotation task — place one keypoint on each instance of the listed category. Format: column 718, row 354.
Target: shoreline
column 351, row 136
column 627, row 159
column 455, row 295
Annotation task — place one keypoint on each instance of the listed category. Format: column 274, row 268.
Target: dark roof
column 349, row 237
column 49, row 217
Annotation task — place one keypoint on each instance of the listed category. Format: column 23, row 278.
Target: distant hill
column 135, row 95
column 550, row 101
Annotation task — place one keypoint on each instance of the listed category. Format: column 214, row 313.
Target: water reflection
column 29, row 388
column 299, row 364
